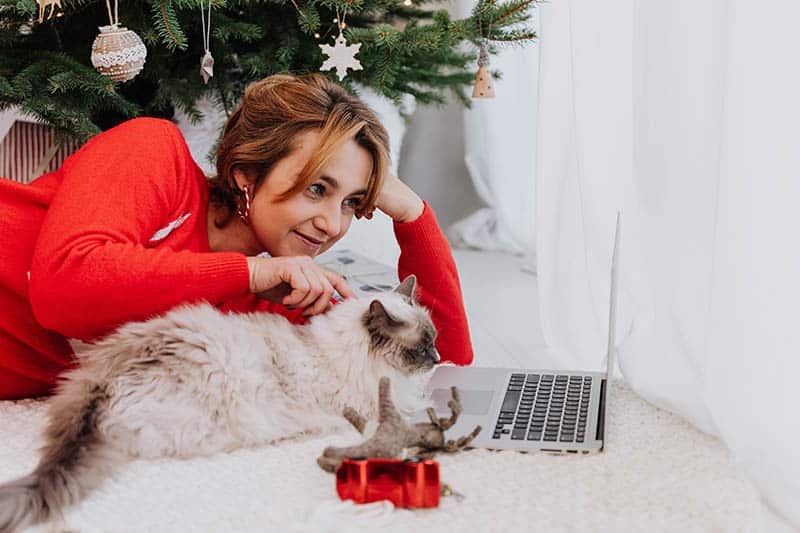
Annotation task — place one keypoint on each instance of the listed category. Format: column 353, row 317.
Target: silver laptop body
column 526, row 409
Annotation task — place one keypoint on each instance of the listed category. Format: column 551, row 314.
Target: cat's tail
column 74, row 461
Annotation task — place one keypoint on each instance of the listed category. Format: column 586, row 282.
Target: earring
column 244, row 214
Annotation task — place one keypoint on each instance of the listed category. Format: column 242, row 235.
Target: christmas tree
column 405, row 48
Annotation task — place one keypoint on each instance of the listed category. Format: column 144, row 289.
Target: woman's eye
column 317, row 189
column 352, row 203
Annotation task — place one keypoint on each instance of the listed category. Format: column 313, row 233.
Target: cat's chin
column 424, row 376
column 408, row 392
column 407, row 389
column 419, row 376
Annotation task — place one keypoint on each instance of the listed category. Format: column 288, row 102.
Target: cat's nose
column 435, row 354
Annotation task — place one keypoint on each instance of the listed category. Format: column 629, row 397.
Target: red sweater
column 119, row 233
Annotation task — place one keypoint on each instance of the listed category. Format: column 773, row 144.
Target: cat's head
column 400, row 331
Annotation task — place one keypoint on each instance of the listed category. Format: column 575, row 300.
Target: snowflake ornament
column 341, row 56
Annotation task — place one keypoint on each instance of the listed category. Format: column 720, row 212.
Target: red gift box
column 411, row 484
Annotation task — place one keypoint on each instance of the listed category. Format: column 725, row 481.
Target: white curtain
column 499, row 154
column 684, row 115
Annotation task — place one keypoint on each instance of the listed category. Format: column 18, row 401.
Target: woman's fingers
column 295, row 277
column 315, row 286
column 323, row 302
column 339, row 284
column 296, row 282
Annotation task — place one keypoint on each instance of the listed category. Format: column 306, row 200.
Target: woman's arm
column 425, row 252
column 94, row 266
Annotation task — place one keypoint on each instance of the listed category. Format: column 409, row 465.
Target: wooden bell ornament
column 483, row 80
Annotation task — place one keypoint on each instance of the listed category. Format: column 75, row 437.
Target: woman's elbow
column 52, row 311
column 455, row 350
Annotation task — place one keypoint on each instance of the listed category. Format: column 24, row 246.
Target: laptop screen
column 612, row 311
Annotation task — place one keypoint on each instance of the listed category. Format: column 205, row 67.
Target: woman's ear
column 242, row 179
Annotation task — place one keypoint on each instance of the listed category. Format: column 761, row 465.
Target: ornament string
column 207, row 61
column 113, row 19
column 483, row 56
column 206, row 26
column 298, row 9
column 483, row 86
column 340, row 19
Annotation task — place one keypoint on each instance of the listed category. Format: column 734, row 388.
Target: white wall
column 432, row 162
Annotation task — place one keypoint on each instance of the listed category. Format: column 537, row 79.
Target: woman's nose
column 329, row 222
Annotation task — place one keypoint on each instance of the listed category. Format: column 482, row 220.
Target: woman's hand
column 295, row 281
column 398, row 201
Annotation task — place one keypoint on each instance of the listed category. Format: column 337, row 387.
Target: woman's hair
column 265, row 127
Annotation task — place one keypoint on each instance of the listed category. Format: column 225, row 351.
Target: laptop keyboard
column 547, row 407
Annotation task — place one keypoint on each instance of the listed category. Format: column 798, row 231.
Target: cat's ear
column 407, row 287
column 379, row 317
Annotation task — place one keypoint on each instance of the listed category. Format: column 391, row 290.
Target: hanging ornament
column 118, row 52
column 341, row 56
column 207, row 61
column 207, row 66
column 483, row 80
column 44, row 4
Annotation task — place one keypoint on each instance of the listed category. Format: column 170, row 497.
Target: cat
column 196, row 381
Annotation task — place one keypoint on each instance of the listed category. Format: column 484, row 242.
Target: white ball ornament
column 118, row 53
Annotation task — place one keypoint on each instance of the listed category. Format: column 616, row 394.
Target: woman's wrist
column 413, row 211
column 399, row 201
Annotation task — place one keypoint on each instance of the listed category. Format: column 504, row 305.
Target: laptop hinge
column 601, row 415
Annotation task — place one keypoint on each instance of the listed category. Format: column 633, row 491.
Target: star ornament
column 341, row 57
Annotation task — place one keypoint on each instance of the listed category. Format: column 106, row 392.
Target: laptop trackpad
column 474, row 402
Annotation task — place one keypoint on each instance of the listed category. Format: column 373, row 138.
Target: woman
column 129, row 227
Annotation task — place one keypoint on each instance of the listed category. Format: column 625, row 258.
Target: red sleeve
column 91, row 270
column 424, row 251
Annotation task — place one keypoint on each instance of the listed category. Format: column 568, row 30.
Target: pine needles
column 407, row 49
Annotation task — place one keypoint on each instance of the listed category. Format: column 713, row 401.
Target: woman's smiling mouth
column 309, row 242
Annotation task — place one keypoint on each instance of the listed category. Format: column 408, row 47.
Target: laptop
column 531, row 409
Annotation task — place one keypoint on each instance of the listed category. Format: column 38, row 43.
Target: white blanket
column 658, row 473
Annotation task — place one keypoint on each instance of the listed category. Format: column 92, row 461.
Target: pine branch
column 309, row 20
column 165, row 20
column 513, row 8
column 412, row 50
column 228, row 29
column 514, row 37
column 27, row 8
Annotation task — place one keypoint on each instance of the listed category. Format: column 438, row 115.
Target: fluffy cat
column 196, row 381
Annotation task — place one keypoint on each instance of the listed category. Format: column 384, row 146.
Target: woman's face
column 312, row 220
